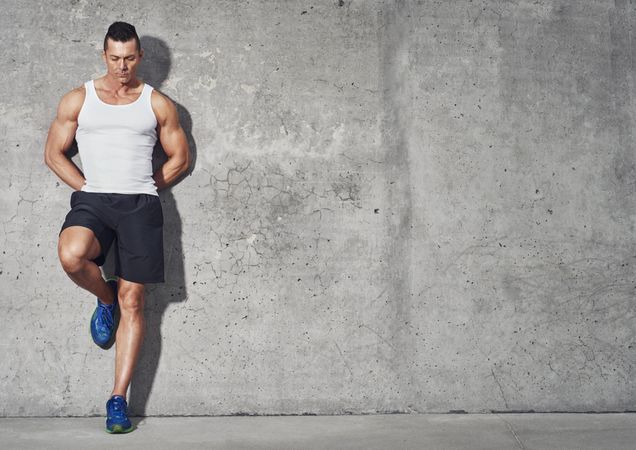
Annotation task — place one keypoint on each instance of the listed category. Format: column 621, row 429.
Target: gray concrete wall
column 395, row 207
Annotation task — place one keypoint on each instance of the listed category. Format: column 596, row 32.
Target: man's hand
column 173, row 140
column 60, row 138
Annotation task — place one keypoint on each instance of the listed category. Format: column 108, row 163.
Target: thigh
column 86, row 225
column 140, row 242
column 80, row 242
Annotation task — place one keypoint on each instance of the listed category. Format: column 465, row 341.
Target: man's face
column 122, row 59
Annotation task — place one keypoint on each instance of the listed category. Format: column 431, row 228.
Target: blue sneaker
column 103, row 322
column 117, row 415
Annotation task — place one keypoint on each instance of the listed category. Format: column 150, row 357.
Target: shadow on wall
column 154, row 70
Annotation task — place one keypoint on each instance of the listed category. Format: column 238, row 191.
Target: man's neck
column 113, row 84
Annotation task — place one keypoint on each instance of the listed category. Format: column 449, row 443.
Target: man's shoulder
column 161, row 104
column 76, row 93
column 159, row 99
column 72, row 102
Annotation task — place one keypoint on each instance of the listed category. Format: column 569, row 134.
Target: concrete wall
column 395, row 206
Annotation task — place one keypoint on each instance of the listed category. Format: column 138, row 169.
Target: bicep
column 171, row 134
column 61, row 135
column 63, row 128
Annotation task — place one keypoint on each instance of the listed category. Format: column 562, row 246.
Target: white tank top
column 115, row 144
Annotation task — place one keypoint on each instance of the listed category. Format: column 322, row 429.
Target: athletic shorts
column 133, row 221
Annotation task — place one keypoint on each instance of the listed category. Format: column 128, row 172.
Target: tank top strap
column 90, row 90
column 147, row 92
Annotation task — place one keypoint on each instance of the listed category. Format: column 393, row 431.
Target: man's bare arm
column 173, row 140
column 60, row 138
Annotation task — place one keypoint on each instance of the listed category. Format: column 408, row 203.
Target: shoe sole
column 119, row 429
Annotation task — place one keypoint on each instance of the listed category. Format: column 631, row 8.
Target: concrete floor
column 425, row 431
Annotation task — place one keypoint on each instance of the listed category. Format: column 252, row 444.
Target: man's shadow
column 154, row 70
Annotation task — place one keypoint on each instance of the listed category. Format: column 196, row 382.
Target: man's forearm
column 170, row 172
column 66, row 170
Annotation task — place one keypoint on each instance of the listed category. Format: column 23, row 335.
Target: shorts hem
column 141, row 280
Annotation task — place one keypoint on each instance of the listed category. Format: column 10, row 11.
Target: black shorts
column 134, row 221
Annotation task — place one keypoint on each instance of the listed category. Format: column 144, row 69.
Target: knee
column 131, row 300
column 72, row 262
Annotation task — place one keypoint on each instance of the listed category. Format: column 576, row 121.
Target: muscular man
column 116, row 120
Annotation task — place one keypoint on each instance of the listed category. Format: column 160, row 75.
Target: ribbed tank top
column 115, row 144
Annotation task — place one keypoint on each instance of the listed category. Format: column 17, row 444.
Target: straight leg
column 130, row 333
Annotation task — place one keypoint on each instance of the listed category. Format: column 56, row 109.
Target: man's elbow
column 48, row 160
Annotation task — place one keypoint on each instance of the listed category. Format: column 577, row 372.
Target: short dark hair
column 121, row 32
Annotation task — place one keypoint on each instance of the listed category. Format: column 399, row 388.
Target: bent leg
column 130, row 333
column 77, row 247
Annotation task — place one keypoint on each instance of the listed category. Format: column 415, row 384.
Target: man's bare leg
column 130, row 333
column 76, row 248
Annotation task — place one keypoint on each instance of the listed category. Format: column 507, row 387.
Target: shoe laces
column 117, row 408
column 106, row 314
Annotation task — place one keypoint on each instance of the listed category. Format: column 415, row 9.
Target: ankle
column 110, row 299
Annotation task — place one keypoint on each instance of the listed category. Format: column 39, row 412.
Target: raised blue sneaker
column 103, row 323
column 117, row 415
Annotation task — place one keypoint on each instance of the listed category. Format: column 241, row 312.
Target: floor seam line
column 512, row 431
